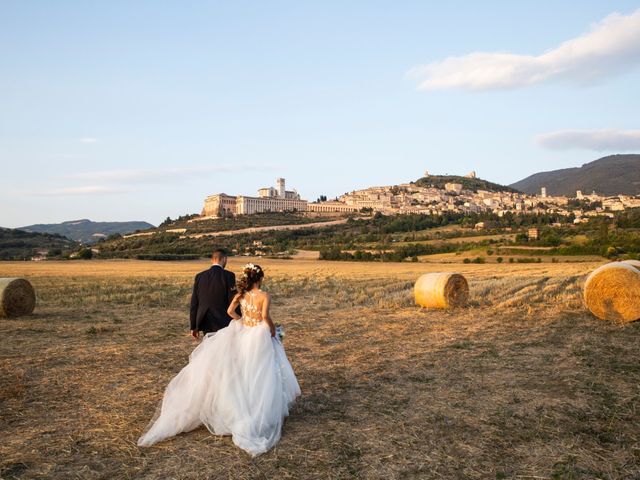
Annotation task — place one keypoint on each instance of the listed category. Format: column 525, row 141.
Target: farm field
column 523, row 383
column 463, row 239
column 458, row 257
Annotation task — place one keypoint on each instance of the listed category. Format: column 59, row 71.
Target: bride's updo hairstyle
column 251, row 274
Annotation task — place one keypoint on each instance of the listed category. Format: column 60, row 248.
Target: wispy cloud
column 598, row 140
column 66, row 155
column 162, row 175
column 84, row 190
column 611, row 47
column 89, row 140
column 109, row 182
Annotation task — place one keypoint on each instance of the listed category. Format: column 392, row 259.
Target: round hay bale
column 17, row 297
column 441, row 290
column 633, row 263
column 612, row 292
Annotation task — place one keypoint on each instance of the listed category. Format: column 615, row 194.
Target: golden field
column 523, row 383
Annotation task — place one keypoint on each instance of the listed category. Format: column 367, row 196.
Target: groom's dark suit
column 213, row 291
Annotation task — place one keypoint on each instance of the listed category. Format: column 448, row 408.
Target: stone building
column 269, row 199
column 219, row 205
column 332, row 206
column 248, row 205
column 453, row 187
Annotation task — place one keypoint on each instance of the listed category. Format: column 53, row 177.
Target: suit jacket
column 213, row 291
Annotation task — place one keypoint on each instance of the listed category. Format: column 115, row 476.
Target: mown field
column 523, row 383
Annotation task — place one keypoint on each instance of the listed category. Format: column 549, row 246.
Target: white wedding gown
column 238, row 382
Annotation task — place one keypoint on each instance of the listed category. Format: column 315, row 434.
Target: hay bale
column 612, row 292
column 441, row 290
column 17, row 297
column 633, row 263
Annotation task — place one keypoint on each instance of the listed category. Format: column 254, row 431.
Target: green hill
column 86, row 231
column 612, row 175
column 264, row 219
column 20, row 245
column 474, row 184
column 180, row 237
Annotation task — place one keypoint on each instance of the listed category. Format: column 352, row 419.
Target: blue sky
column 138, row 110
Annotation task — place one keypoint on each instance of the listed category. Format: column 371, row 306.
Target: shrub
column 499, row 259
column 85, row 254
column 529, row 260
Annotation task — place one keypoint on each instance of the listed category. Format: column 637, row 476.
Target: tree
column 85, row 254
column 521, row 237
column 603, row 231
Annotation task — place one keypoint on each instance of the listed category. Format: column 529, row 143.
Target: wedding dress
column 238, row 382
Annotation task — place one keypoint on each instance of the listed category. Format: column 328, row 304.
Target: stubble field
column 523, row 383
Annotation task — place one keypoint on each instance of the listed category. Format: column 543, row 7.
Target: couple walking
column 239, row 381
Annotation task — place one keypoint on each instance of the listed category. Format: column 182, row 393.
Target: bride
column 238, row 381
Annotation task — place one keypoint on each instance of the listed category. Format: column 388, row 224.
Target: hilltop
column 18, row 245
column 468, row 183
column 86, row 231
column 611, row 175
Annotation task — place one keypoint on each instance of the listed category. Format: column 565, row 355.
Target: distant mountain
column 20, row 245
column 86, row 231
column 475, row 184
column 612, row 175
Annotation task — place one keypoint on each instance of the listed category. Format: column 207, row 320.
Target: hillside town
column 417, row 199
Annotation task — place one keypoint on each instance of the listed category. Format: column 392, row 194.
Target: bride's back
column 251, row 305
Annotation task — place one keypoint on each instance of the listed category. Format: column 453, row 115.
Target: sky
column 120, row 110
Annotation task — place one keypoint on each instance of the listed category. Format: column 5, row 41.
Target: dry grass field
column 523, row 383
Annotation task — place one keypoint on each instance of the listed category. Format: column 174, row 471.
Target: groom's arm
column 193, row 312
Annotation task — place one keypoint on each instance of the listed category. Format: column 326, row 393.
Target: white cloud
column 610, row 47
column 84, row 190
column 162, row 175
column 599, row 140
column 88, row 140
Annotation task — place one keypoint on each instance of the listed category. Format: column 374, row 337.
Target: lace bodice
column 251, row 314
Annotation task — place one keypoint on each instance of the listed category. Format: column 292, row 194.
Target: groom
column 213, row 291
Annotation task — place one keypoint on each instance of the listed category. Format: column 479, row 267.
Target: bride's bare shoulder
column 265, row 295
